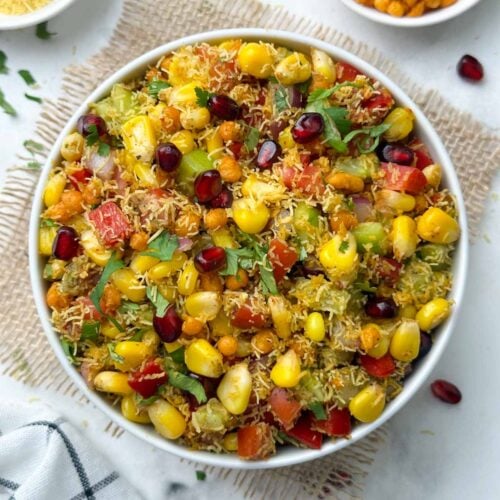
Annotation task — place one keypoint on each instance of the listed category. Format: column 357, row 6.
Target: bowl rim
column 428, row 19
column 40, row 15
column 288, row 456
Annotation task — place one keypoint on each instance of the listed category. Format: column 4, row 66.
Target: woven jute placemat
column 25, row 353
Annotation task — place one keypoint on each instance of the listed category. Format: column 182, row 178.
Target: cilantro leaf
column 302, row 254
column 318, row 409
column 158, row 300
column 202, row 97
column 252, row 139
column 267, row 280
column 3, row 63
column 189, row 384
column 48, row 223
column 6, row 106
column 93, row 135
column 156, row 86
column 339, row 116
column 33, row 98
column 90, row 330
column 322, row 94
column 113, row 264
column 146, row 401
column 27, row 77
column 371, row 140
column 113, row 355
column 103, row 149
column 303, row 87
column 331, row 132
column 42, row 32
column 201, row 475
column 178, row 355
column 344, row 245
column 235, row 256
column 70, row 349
column 281, row 99
column 162, row 247
column 128, row 306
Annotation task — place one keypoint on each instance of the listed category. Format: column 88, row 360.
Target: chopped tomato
column 381, row 101
column 400, row 178
column 282, row 257
column 381, row 368
column 338, row 423
column 346, row 72
column 308, row 180
column 81, row 176
column 89, row 310
column 255, row 441
column 158, row 192
column 304, row 433
column 147, row 379
column 245, row 317
column 284, row 407
column 388, row 270
column 288, row 175
column 421, row 154
column 110, row 222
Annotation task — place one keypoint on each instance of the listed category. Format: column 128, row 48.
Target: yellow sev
column 19, row 7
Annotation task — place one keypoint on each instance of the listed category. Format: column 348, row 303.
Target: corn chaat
column 247, row 247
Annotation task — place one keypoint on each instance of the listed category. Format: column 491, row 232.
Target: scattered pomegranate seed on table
column 446, row 391
column 470, row 68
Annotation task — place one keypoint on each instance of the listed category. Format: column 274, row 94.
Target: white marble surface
column 434, row 451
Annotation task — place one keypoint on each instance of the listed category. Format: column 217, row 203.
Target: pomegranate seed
column 446, row 391
column 268, row 154
column 308, row 127
column 425, row 345
column 65, row 245
column 169, row 326
column 210, row 259
column 235, row 148
column 85, row 123
column 223, row 107
column 470, row 68
column 379, row 308
column 396, row 153
column 207, row 185
column 223, row 200
column 168, row 156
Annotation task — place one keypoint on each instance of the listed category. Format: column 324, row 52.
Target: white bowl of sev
column 15, row 14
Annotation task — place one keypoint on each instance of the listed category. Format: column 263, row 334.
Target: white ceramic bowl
column 429, row 18
column 35, row 17
column 287, row 456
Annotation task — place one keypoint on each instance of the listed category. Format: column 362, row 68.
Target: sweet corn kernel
column 314, row 328
column 433, row 314
column 230, row 441
column 281, row 316
column 203, row 306
column 72, row 147
column 215, row 145
column 184, row 95
column 286, row 372
column 142, row 263
column 262, row 191
column 368, row 404
column 323, row 65
column 188, row 279
column 223, row 238
column 404, row 237
column 151, row 339
column 93, row 248
column 54, row 189
column 126, row 281
column 139, row 138
column 145, row 175
column 133, row 354
column 184, row 140
column 405, row 342
column 195, row 118
column 255, row 59
column 167, row 268
column 112, row 382
column 221, row 325
column 167, row 419
column 339, row 255
column 285, row 139
column 202, row 358
column 433, row 173
column 109, row 330
column 131, row 412
column 401, row 122
column 380, row 348
column 172, row 346
column 46, row 237
column 399, row 202
column 293, row 69
column 250, row 216
column 408, row 311
column 436, row 226
column 235, row 388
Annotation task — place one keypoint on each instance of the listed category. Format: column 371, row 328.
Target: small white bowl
column 428, row 19
column 290, row 455
column 36, row 17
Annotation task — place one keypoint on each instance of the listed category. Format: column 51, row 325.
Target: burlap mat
column 25, row 353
